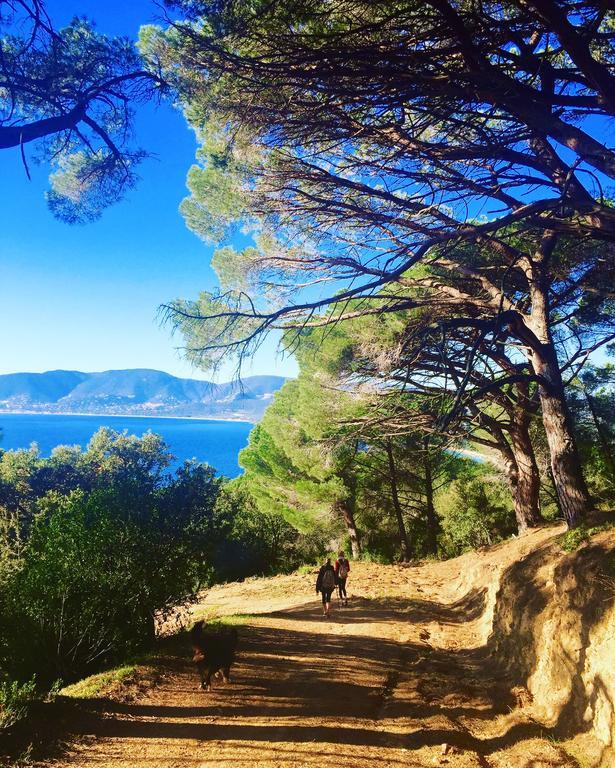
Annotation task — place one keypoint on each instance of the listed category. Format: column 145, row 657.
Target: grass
column 91, row 686
column 306, row 569
column 236, row 620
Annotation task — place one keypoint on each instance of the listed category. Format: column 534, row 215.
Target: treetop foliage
column 369, row 136
column 72, row 91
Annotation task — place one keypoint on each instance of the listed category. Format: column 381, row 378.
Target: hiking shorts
column 326, row 595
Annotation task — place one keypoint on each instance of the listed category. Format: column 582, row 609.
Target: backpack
column 342, row 571
column 328, row 580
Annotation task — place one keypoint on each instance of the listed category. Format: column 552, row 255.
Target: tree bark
column 430, row 510
column 404, row 542
column 526, row 494
column 345, row 510
column 568, row 477
column 527, row 491
column 518, row 460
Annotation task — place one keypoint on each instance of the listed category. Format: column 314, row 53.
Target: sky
column 86, row 297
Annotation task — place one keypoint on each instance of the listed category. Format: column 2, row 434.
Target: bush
column 14, row 701
column 477, row 512
column 97, row 570
column 258, row 542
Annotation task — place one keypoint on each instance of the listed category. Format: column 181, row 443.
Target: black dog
column 214, row 651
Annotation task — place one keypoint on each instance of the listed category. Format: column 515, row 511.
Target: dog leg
column 202, row 676
column 226, row 674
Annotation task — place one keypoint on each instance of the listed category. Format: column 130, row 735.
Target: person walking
column 325, row 584
column 342, row 569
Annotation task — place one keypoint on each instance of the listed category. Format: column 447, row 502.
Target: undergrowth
column 91, row 686
column 15, row 699
column 576, row 537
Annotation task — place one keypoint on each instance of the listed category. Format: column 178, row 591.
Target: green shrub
column 477, row 512
column 576, row 537
column 95, row 573
column 14, row 701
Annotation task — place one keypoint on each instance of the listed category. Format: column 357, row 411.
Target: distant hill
column 134, row 392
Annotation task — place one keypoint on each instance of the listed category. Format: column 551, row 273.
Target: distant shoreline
column 126, row 416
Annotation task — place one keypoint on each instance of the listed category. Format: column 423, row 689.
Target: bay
column 215, row 442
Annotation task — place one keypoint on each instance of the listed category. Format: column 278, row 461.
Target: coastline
column 126, row 416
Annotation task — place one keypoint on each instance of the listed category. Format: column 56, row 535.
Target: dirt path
column 385, row 682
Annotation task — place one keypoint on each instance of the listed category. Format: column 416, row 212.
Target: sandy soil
column 400, row 677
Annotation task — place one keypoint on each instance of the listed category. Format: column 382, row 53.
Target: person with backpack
column 325, row 584
column 342, row 569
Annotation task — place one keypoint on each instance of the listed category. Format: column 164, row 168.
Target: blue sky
column 86, row 297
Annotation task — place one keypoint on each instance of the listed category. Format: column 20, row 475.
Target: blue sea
column 216, row 442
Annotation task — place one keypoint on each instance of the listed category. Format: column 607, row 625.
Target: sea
column 215, row 442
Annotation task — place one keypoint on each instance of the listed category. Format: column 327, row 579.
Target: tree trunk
column 527, row 491
column 345, row 509
column 570, row 485
column 518, row 463
column 565, row 463
column 527, row 487
column 403, row 534
column 430, row 511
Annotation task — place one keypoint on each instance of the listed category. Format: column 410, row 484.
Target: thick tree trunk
column 519, row 464
column 565, row 463
column 404, row 542
column 527, row 487
column 572, row 492
column 527, row 491
column 345, row 510
column 430, row 510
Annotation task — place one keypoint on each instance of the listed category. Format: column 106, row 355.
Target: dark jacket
column 321, row 574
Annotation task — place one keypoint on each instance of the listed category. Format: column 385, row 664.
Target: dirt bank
column 554, row 630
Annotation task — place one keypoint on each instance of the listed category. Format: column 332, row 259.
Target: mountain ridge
column 136, row 391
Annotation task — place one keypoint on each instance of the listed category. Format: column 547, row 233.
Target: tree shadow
column 335, row 680
column 394, row 609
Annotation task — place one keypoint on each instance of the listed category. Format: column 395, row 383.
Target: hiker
column 342, row 569
column 325, row 584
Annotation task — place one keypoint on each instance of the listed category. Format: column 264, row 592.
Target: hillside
column 429, row 665
column 136, row 392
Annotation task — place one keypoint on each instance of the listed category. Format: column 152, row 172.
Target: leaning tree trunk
column 518, row 463
column 570, row 485
column 526, row 494
column 344, row 508
column 527, row 491
column 566, row 467
column 404, row 542
column 433, row 526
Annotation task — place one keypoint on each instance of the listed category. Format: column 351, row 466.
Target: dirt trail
column 385, row 682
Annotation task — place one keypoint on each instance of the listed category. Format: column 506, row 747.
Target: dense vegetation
column 442, row 159
column 345, row 447
column 98, row 545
